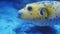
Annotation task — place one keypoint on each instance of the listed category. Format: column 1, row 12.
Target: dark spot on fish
column 50, row 6
column 56, row 16
column 40, row 18
column 50, row 19
column 34, row 19
column 55, row 2
column 46, row 17
column 30, row 13
column 39, row 3
column 44, row 3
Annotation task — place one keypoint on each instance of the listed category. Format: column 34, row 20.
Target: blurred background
column 10, row 24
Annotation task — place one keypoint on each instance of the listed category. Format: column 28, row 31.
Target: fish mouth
column 19, row 14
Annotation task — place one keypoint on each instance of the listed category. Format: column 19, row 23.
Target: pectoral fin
column 50, row 11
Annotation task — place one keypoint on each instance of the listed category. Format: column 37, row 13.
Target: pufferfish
column 42, row 12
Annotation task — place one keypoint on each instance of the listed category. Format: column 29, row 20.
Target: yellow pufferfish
column 40, row 11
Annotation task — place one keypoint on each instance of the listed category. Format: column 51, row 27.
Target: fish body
column 42, row 13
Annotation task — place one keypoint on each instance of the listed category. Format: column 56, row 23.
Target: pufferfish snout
column 19, row 14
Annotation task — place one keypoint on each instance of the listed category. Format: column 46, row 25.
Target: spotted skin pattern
column 39, row 15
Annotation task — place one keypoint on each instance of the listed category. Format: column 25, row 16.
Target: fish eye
column 29, row 8
column 42, row 11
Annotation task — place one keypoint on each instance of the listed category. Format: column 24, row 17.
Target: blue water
column 11, row 24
